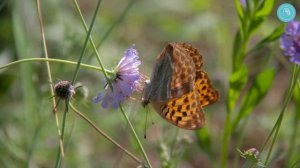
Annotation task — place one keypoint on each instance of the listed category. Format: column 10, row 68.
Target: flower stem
column 91, row 41
column 109, row 83
column 104, row 134
column 56, row 61
column 239, row 142
column 61, row 146
column 77, row 69
column 174, row 143
column 112, row 26
column 88, row 37
column 135, row 136
column 293, row 138
column 277, row 125
column 225, row 141
column 58, row 158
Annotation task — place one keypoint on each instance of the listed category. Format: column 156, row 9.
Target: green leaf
column 255, row 24
column 266, row 9
column 257, row 91
column 237, row 82
column 237, row 47
column 239, row 9
column 270, row 38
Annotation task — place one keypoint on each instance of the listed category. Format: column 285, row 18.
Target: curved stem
column 77, row 69
column 104, row 134
column 135, row 136
column 56, row 61
column 110, row 85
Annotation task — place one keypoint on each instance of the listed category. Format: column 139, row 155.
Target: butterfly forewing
column 159, row 89
column 183, row 75
column 194, row 54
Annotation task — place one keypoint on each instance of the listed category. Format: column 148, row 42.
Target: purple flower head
column 124, row 82
column 243, row 3
column 290, row 42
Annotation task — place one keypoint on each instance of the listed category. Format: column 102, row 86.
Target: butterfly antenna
column 146, row 122
column 151, row 119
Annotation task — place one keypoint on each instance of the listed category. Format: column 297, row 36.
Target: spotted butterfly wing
column 185, row 112
column 172, row 75
column 178, row 87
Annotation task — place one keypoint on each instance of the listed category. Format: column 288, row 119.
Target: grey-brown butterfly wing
column 159, row 87
column 173, row 75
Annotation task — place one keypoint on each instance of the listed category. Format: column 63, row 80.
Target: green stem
column 92, row 42
column 225, row 141
column 293, row 137
column 238, row 58
column 104, row 134
column 76, row 72
column 240, row 142
column 45, row 50
column 88, row 37
column 112, row 26
column 56, row 61
column 110, row 85
column 295, row 163
column 286, row 103
column 174, row 142
column 135, row 136
column 58, row 158
column 61, row 146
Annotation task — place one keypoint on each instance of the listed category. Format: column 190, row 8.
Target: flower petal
column 290, row 41
column 125, row 82
column 98, row 98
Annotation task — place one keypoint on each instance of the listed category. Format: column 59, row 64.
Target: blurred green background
column 28, row 135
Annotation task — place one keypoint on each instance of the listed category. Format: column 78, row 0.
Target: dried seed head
column 64, row 90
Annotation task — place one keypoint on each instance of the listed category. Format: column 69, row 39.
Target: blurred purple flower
column 290, row 42
column 124, row 81
column 243, row 3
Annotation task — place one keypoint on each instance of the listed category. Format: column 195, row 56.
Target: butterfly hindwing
column 185, row 112
column 208, row 94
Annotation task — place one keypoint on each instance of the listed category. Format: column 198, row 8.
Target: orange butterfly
column 179, row 88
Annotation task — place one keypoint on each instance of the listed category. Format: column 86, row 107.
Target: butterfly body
column 179, row 88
